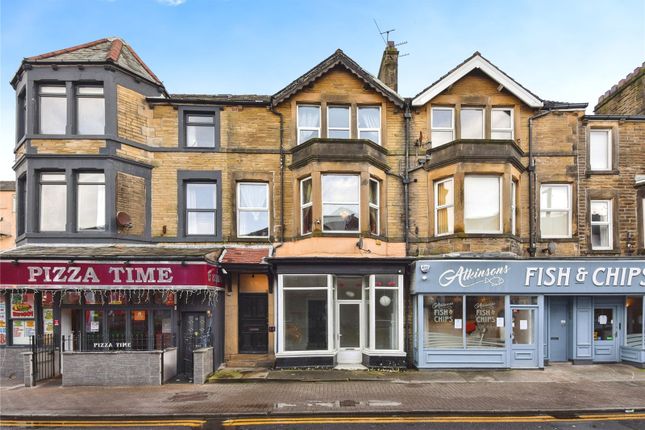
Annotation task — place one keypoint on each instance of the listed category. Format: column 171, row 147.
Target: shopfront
column 527, row 313
column 101, row 306
column 347, row 314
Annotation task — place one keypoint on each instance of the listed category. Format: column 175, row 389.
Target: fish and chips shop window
column 635, row 336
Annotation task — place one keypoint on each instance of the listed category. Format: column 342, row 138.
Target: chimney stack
column 388, row 73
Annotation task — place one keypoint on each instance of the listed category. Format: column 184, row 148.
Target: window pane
column 53, row 207
column 200, row 196
column 369, row 117
column 472, row 124
column 253, row 196
column 89, row 91
column 443, row 321
column 445, row 193
column 91, row 115
column 340, row 188
column 338, row 117
column 254, row 223
column 91, row 177
column 501, row 118
column 441, row 138
column 599, row 150
column 369, row 135
column 305, row 135
column 374, row 195
column 307, row 218
column 599, row 211
column 93, row 329
column 338, row 134
column 201, row 223
column 305, row 320
column 91, row 207
column 445, row 220
column 53, row 115
column 349, row 288
column 554, row 223
column 340, row 217
column 306, row 191
column 200, row 136
column 200, row 119
column 501, row 135
column 484, row 322
column 309, row 116
column 524, row 300
column 600, row 236
column 481, row 204
column 554, row 197
column 391, row 281
column 442, row 118
column 116, row 325
column 386, row 321
column 53, row 90
column 603, row 328
column 139, row 319
column 524, row 326
column 52, row 177
column 304, row 281
column 374, row 225
column 634, row 306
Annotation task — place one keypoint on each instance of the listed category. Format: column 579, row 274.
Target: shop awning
column 110, row 267
column 246, row 259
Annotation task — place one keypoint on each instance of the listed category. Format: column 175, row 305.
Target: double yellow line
column 425, row 420
column 103, row 423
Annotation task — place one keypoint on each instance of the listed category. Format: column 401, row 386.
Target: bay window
column 53, row 201
column 252, row 209
column 513, row 207
column 306, row 207
column 443, row 126
column 201, row 208
column 501, row 123
column 308, row 122
column 482, row 204
column 340, row 203
column 90, row 205
column 90, row 110
column 444, row 212
column 52, row 108
column 555, row 211
column 600, row 157
column 369, row 123
column 374, row 204
column 601, row 224
column 472, row 123
column 338, row 122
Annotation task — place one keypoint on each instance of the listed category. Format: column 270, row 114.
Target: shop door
column 605, row 333
column 558, row 330
column 349, row 333
column 194, row 330
column 524, row 341
column 253, row 323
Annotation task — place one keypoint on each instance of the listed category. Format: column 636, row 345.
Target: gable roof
column 108, row 50
column 336, row 59
column 477, row 61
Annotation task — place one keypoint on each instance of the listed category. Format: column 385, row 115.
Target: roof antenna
column 387, row 32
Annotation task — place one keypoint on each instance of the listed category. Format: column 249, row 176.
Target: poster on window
column 22, row 331
column 48, row 320
column 3, row 321
column 22, row 305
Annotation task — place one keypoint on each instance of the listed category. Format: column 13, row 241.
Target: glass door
column 605, row 332
column 349, row 333
column 524, row 344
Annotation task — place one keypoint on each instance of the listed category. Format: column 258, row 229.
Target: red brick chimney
column 388, row 73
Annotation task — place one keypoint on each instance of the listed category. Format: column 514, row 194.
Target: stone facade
column 202, row 364
column 625, row 98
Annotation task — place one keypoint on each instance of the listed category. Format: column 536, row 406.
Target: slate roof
column 338, row 58
column 634, row 74
column 111, row 252
column 245, row 255
column 7, row 185
column 108, row 50
column 253, row 99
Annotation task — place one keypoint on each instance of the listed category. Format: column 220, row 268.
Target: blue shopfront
column 527, row 313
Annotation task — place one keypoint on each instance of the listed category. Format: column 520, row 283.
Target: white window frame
column 609, row 167
column 376, row 205
column 450, row 129
column 322, row 193
column 280, row 308
column 349, row 121
column 513, row 207
column 371, row 348
column 511, row 129
column 438, row 207
column 608, row 223
column 568, row 209
column 500, row 224
column 380, row 122
column 253, row 209
column 317, row 129
column 483, row 111
column 303, row 206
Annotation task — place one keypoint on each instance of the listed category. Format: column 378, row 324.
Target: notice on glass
column 458, row 323
column 94, row 326
column 166, row 326
column 524, row 324
column 602, row 319
column 500, row 322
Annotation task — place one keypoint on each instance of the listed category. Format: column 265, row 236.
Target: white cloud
column 171, row 2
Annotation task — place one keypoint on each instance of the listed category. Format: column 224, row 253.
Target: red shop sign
column 96, row 275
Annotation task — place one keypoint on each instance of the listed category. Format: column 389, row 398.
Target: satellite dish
column 123, row 220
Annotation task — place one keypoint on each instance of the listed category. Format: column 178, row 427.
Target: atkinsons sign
column 529, row 276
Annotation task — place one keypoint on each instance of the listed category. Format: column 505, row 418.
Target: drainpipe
column 407, row 115
column 532, row 180
column 282, row 158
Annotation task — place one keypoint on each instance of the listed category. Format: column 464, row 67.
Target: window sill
column 609, row 252
column 602, row 172
column 199, row 149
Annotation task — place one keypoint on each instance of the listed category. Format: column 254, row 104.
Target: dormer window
column 52, row 109
column 443, row 125
column 501, row 123
column 369, row 123
column 308, row 123
column 90, row 110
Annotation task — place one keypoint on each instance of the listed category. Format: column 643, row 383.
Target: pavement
column 558, row 389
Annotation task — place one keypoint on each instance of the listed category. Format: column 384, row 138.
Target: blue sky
column 560, row 50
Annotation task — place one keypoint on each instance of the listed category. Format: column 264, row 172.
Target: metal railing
column 45, row 364
column 96, row 342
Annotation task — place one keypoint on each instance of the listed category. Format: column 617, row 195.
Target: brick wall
column 627, row 98
column 112, row 368
column 130, row 198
